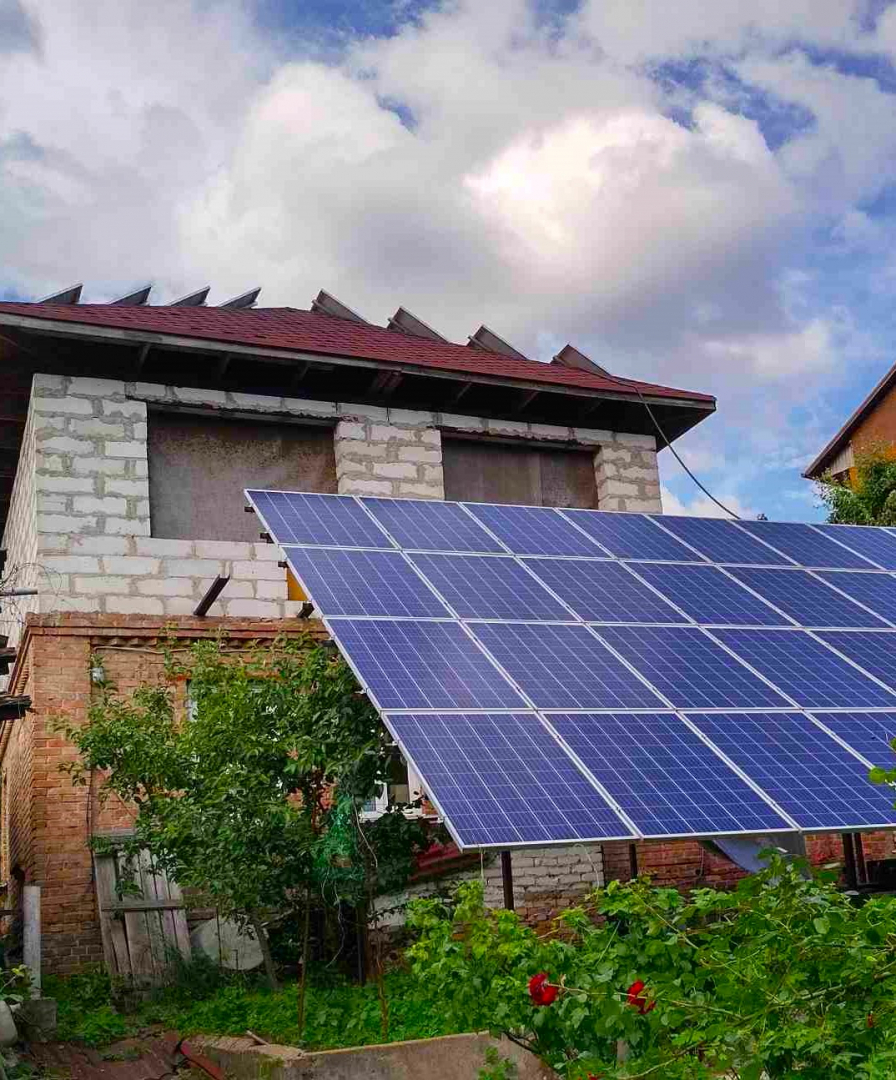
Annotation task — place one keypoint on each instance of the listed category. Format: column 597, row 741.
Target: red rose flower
column 870, row 1021
column 637, row 999
column 540, row 990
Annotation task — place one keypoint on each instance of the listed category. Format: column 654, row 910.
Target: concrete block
column 105, row 466
column 64, row 444
column 412, row 417
column 88, row 604
column 309, row 407
column 43, row 383
column 264, row 609
column 419, row 454
column 103, row 584
column 647, row 442
column 421, row 491
column 193, row 568
column 612, row 486
column 223, row 549
column 396, row 470
column 139, row 430
column 550, row 431
column 166, row 587
column 126, row 526
column 358, row 449
column 257, row 402
column 134, row 605
column 592, row 436
column 64, row 523
column 95, row 425
column 71, row 564
column 49, row 504
column 135, row 410
column 354, row 486
column 95, row 387
column 64, row 483
column 268, row 590
column 127, row 449
column 138, row 488
column 90, row 504
column 430, row 437
column 139, row 566
column 150, row 391
column 101, row 545
column 372, row 412
column 507, row 427
column 256, row 569
column 351, row 429
column 67, row 405
column 380, row 433
column 159, row 547
column 54, row 463
column 461, row 423
column 266, row 552
column 181, row 605
column 196, row 396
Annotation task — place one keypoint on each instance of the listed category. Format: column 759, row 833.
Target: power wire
column 631, row 385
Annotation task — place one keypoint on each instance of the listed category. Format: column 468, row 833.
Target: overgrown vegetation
column 870, row 499
column 783, row 977
column 253, row 799
column 338, row 1013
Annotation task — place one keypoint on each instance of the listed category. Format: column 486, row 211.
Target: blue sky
column 703, row 195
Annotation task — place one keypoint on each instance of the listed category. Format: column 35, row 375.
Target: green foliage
column 782, row 977
column 872, row 500
column 338, row 1014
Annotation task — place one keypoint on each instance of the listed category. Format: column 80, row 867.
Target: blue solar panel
column 720, row 541
column 603, row 591
column 810, row 776
column 665, row 779
column 876, row 653
column 428, row 525
column 803, row 668
column 874, row 590
column 504, row 780
column 489, row 587
column 710, row 597
column 564, row 667
column 870, row 734
column 804, row 545
column 631, row 536
column 363, row 583
column 423, row 665
column 534, row 530
column 689, row 668
column 876, row 544
column 805, row 599
column 335, row 520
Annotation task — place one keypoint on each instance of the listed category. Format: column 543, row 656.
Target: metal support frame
column 632, row 861
column 849, row 861
column 214, row 591
column 507, row 879
column 861, row 868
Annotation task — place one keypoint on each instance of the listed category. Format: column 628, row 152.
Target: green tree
column 871, row 499
column 782, row 977
column 239, row 800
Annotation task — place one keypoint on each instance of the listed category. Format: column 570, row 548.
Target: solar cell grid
column 806, row 599
column 664, row 778
column 876, row 591
column 873, row 542
column 631, row 536
column 336, row 520
column 429, row 525
column 689, row 668
column 868, row 733
column 807, row 773
column 363, row 583
column 534, row 530
column 489, row 587
column 710, row 597
column 720, row 541
column 874, row 652
column 423, row 665
column 603, row 591
column 804, row 545
column 802, row 667
column 504, row 780
column 564, row 667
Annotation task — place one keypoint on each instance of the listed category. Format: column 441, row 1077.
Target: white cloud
column 545, row 182
column 701, row 506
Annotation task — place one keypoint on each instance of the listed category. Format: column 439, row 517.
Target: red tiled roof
column 312, row 332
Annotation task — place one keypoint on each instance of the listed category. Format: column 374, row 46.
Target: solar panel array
column 559, row 676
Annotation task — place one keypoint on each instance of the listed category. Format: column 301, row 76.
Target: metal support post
column 849, row 861
column 507, row 878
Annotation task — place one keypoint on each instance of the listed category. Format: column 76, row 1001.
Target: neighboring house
column 127, row 433
column 872, row 426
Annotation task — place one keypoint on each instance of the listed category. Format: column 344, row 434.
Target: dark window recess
column 199, row 466
column 505, row 473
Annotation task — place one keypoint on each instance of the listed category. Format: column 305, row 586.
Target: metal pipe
column 18, row 592
column 507, row 879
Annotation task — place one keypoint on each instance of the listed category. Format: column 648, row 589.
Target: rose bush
column 782, row 977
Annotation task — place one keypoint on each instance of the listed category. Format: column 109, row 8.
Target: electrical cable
column 631, row 385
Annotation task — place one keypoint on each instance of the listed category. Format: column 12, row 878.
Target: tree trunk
column 303, row 978
column 264, row 945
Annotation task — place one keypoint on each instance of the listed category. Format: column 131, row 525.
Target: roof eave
column 88, row 331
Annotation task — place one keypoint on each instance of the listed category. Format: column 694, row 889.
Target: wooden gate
column 142, row 934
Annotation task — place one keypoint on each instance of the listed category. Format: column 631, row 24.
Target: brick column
column 388, row 452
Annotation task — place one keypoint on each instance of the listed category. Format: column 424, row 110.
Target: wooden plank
column 165, row 920
column 133, row 904
column 139, row 942
column 154, row 926
column 179, row 917
column 115, row 942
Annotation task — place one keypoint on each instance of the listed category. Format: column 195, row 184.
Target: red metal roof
column 312, row 332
